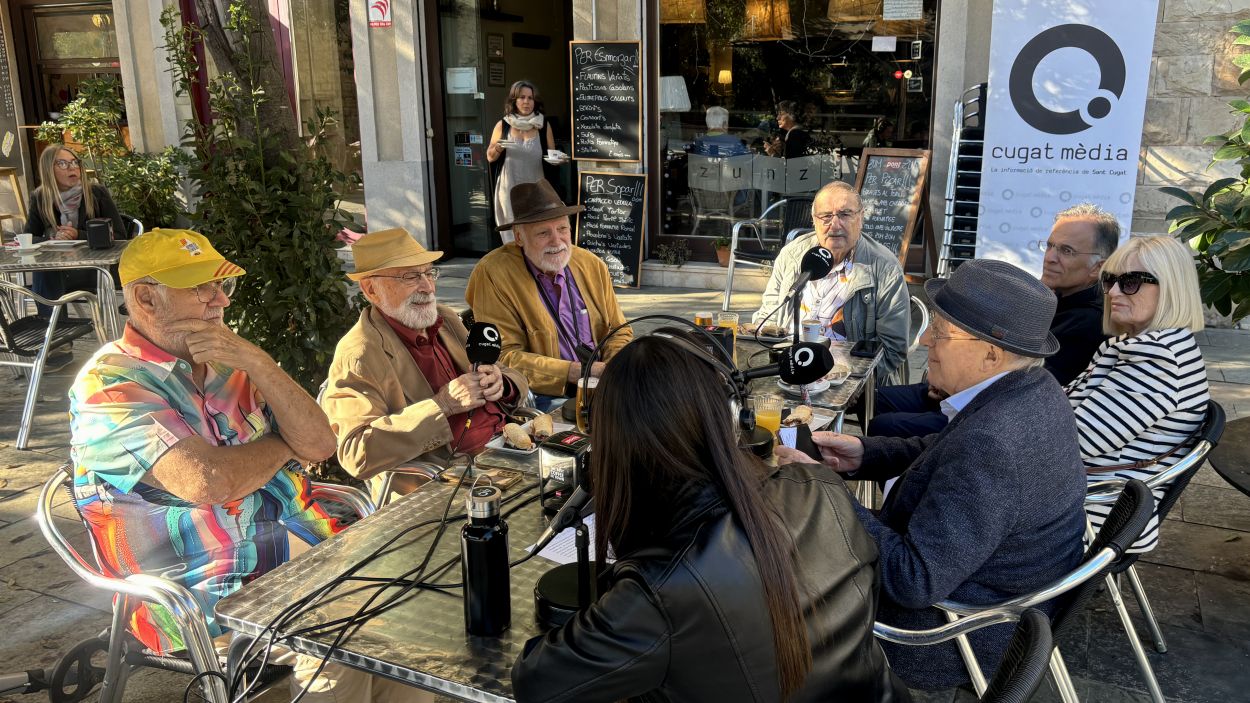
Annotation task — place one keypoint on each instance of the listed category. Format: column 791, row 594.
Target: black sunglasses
column 1130, row 281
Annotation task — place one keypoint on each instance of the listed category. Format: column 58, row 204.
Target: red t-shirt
column 438, row 368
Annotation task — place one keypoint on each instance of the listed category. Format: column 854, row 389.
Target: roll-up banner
column 1063, row 123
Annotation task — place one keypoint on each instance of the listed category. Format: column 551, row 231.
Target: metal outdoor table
column 79, row 257
column 422, row 641
column 863, row 375
column 1231, row 457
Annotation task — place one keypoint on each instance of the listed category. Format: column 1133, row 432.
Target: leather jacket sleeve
column 615, row 649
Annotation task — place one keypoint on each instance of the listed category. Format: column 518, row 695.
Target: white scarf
column 524, row 123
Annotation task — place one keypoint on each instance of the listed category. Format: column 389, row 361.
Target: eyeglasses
column 207, row 292
column 412, row 277
column 66, row 164
column 1065, row 251
column 844, row 215
column 1130, row 281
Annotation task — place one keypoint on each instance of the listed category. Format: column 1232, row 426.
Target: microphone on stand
column 817, row 262
column 801, row 364
column 483, row 345
column 563, row 519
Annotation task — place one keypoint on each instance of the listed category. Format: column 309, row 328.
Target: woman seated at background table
column 733, row 581
column 1144, row 394
column 59, row 209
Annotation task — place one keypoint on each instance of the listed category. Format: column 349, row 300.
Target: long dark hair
column 662, row 428
column 509, row 104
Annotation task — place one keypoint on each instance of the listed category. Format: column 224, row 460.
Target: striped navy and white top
column 1138, row 398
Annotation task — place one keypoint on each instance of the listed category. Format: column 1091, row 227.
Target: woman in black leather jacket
column 733, row 583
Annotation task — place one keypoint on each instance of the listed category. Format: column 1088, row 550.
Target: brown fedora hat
column 536, row 202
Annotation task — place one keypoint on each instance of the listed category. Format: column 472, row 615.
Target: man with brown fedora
column 552, row 301
column 401, row 387
column 990, row 507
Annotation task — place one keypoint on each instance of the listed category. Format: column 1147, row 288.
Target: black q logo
column 491, row 334
column 804, row 357
column 1078, row 36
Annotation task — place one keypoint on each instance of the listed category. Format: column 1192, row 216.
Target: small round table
column 1231, row 458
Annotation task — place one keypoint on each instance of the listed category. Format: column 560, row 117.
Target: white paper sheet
column 563, row 549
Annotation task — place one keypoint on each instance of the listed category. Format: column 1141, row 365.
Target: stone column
column 395, row 132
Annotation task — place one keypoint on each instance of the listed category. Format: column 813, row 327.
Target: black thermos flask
column 484, row 561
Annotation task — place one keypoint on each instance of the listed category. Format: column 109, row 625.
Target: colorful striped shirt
column 129, row 405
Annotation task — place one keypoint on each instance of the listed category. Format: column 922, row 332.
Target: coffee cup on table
column 25, row 240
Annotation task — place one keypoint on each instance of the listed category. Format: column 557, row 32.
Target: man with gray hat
column 552, row 301
column 991, row 506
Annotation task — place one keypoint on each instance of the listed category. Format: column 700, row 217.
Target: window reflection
column 760, row 99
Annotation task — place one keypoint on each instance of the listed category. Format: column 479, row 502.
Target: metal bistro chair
column 124, row 653
column 919, row 323
column 134, row 226
column 795, row 218
column 1123, row 526
column 1022, row 668
column 1172, row 482
column 27, row 340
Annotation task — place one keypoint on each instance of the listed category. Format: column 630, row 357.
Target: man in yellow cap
column 186, row 440
column 401, row 387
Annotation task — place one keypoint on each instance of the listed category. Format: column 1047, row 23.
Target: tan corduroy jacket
column 380, row 405
column 502, row 291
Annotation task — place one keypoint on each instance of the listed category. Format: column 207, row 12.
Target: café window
column 762, row 100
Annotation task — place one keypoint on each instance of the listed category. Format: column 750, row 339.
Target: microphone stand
column 583, row 563
column 567, row 588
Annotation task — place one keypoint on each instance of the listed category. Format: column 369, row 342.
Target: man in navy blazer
column 990, row 507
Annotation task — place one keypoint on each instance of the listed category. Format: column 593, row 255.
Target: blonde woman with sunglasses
column 59, row 209
column 1144, row 395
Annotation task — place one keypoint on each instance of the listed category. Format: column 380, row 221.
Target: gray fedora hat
column 1000, row 303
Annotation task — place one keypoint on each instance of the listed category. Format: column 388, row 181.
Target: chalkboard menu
column 891, row 185
column 611, row 224
column 607, row 101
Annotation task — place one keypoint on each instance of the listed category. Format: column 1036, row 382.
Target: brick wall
column 1192, row 78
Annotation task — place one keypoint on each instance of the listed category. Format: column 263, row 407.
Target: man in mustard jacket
column 401, row 387
column 552, row 301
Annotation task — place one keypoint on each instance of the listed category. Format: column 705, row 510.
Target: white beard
column 417, row 312
column 553, row 266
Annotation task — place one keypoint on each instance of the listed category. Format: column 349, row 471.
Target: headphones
column 724, row 366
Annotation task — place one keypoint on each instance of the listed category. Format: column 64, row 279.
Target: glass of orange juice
column 729, row 320
column 767, row 412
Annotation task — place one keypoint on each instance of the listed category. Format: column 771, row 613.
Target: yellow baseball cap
column 178, row 258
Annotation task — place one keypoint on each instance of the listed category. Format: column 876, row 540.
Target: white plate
column 26, row 250
column 554, row 162
column 833, row 379
column 498, row 443
column 64, row 243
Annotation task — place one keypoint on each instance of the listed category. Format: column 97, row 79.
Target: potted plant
column 1216, row 221
column 721, row 244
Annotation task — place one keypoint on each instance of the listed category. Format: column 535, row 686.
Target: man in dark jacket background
column 990, row 507
column 1082, row 237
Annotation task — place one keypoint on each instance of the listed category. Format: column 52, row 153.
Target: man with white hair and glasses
column 187, row 441
column 864, row 297
column 552, row 301
column 401, row 387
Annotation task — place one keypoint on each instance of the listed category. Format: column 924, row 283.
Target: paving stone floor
column 1198, row 579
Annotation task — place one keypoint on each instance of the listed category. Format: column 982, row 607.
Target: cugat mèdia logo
column 1089, row 39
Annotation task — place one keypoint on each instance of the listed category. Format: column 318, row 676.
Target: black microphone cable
column 305, row 604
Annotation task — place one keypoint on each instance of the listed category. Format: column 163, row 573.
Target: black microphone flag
column 484, row 344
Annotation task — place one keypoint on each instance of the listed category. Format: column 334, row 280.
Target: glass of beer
column 704, row 319
column 585, row 391
column 729, row 320
column 767, row 412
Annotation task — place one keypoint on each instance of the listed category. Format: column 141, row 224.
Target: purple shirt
column 564, row 301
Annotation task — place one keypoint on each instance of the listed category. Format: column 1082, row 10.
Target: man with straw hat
column 551, row 300
column 187, row 442
column 991, row 506
column 401, row 387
